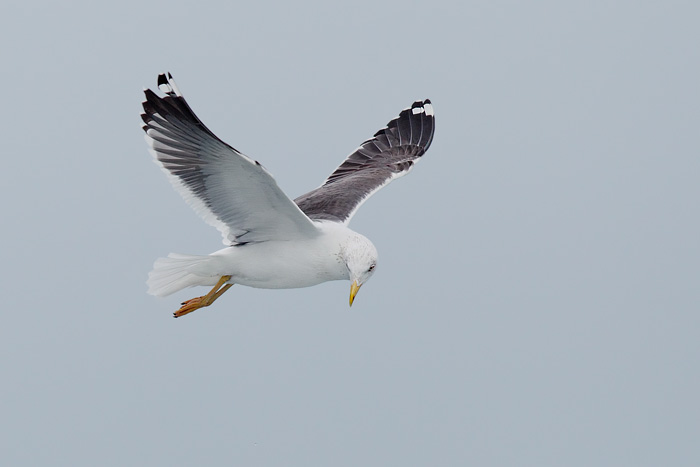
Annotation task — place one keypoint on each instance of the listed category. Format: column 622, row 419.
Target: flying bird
column 271, row 241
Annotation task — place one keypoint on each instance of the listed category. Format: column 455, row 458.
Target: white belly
column 281, row 265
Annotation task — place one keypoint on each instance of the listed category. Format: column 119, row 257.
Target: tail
column 175, row 273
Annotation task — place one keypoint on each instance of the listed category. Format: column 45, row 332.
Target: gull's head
column 360, row 257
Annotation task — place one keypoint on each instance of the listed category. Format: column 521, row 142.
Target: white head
column 360, row 257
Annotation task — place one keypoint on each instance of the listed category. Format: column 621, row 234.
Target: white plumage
column 272, row 241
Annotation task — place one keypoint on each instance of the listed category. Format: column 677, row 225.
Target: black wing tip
column 151, row 96
column 420, row 111
column 171, row 103
column 165, row 78
column 162, row 79
column 166, row 83
column 422, row 107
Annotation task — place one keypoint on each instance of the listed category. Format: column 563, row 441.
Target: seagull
column 271, row 241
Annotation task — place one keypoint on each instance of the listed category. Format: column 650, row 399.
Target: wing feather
column 390, row 154
column 229, row 190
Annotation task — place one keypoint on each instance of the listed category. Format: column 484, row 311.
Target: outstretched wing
column 229, row 190
column 390, row 154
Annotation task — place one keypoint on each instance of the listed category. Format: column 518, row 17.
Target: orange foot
column 205, row 300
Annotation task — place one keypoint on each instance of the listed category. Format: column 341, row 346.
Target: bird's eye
column 371, row 267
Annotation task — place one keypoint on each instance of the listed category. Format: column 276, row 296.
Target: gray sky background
column 536, row 301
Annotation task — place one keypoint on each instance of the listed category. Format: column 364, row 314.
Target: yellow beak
column 354, row 288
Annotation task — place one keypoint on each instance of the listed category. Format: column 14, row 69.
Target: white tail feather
column 175, row 273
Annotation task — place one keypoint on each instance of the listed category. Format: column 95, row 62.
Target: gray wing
column 229, row 190
column 390, row 154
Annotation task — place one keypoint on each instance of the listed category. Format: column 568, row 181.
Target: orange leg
column 205, row 300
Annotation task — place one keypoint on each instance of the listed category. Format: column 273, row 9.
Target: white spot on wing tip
column 166, row 88
column 169, row 87
column 427, row 108
column 171, row 81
